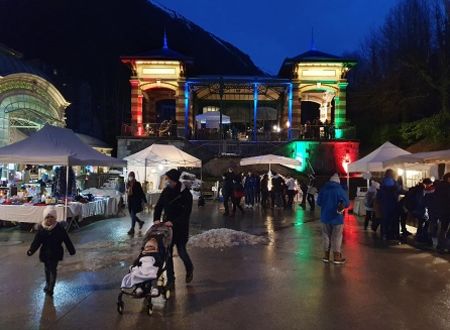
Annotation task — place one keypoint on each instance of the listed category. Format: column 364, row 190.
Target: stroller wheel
column 167, row 294
column 150, row 310
column 120, row 306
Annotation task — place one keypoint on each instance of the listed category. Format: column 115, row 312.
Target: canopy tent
column 212, row 119
column 432, row 157
column 373, row 162
column 160, row 157
column 55, row 146
column 271, row 159
column 163, row 154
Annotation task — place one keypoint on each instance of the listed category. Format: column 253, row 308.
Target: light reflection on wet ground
column 283, row 285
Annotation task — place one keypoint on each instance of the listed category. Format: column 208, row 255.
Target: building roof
column 312, row 55
column 164, row 53
column 92, row 141
column 12, row 61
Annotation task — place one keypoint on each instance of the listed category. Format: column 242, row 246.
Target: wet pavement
column 281, row 285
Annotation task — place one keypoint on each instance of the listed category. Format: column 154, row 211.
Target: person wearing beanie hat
column 175, row 203
column 332, row 200
column 49, row 239
column 173, row 175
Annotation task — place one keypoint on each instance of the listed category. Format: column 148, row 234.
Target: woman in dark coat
column 176, row 202
column 136, row 197
column 49, row 238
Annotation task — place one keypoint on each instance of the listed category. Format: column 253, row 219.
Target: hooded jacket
column 50, row 242
column 329, row 198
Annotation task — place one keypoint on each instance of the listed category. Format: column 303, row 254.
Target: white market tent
column 373, row 162
column 163, row 154
column 271, row 159
column 160, row 158
column 432, row 157
column 212, row 119
column 55, row 146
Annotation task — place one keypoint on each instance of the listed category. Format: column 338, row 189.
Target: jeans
column 332, row 237
column 134, row 218
column 237, row 204
column 249, row 197
column 226, row 199
column 50, row 273
column 443, row 234
column 264, row 198
column 182, row 252
column 291, row 195
column 311, row 201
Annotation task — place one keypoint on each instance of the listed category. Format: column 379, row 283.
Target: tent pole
column 368, row 183
column 66, row 201
column 145, row 175
column 348, row 184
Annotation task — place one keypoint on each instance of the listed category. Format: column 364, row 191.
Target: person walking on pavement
column 291, row 192
column 332, row 200
column 135, row 197
column 388, row 198
column 176, row 202
column 49, row 238
column 443, row 211
column 311, row 195
column 238, row 193
column 277, row 190
column 248, row 188
column 227, row 189
column 264, row 191
column 257, row 188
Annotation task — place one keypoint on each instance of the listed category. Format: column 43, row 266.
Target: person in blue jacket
column 332, row 199
column 388, row 196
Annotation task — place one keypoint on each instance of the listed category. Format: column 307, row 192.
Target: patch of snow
column 98, row 255
column 223, row 237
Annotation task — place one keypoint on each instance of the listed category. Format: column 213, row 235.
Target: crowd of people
column 389, row 206
column 257, row 189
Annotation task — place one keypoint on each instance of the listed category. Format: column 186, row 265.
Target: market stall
column 151, row 163
column 369, row 164
column 52, row 146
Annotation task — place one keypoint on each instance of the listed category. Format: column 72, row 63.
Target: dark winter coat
column 50, row 242
column 177, row 207
column 227, row 188
column 277, row 183
column 136, row 198
column 388, row 197
column 442, row 195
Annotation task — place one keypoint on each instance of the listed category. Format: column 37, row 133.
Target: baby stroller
column 154, row 287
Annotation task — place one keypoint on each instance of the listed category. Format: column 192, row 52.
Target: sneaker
column 131, row 232
column 141, row 224
column 326, row 257
column 338, row 259
column 154, row 292
column 189, row 276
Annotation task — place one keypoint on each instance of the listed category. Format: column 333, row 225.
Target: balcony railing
column 275, row 133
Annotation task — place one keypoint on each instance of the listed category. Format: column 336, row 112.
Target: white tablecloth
column 34, row 214
column 358, row 206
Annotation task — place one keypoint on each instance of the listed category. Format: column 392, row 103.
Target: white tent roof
column 432, row 157
column 55, row 146
column 271, row 159
column 213, row 116
column 163, row 154
column 373, row 162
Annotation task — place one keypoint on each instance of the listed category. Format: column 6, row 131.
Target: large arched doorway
column 310, row 111
column 159, row 105
column 27, row 103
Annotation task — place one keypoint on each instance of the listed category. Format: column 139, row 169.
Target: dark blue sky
column 270, row 30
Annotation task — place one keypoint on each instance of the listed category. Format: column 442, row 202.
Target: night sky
column 270, row 30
